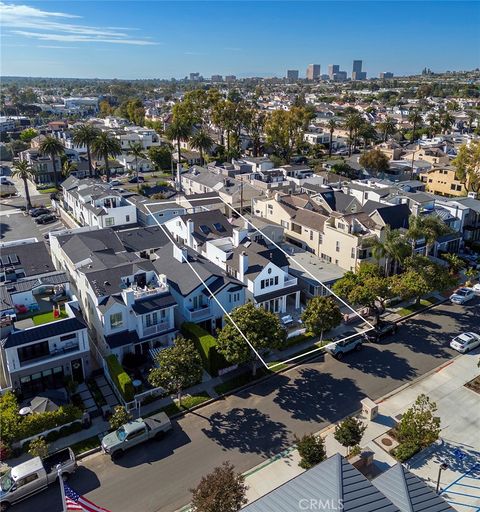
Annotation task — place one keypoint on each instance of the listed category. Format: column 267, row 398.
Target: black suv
column 381, row 330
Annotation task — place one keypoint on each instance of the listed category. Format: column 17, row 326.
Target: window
column 27, row 480
column 234, row 297
column 116, row 320
column 320, row 238
column 135, row 434
column 276, row 280
column 337, row 246
column 311, row 234
column 340, row 225
column 68, row 337
column 35, row 351
column 284, row 224
column 127, row 218
column 109, row 221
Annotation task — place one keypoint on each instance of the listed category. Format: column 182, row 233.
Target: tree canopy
column 321, row 314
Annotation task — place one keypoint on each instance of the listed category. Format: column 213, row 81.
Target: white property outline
column 267, row 366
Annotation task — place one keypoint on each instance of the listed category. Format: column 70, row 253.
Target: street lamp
column 441, row 468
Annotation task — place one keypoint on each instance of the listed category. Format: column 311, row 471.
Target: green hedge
column 120, row 378
column 206, row 345
column 405, row 451
column 34, row 424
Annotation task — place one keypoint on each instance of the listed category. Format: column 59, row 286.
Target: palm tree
column 24, row 171
column 105, row 146
column 446, row 120
column 352, row 124
column 84, row 135
column 68, row 167
column 388, row 127
column 394, row 248
column 53, row 148
column 429, row 227
column 455, row 263
column 432, row 124
column 368, row 133
column 415, row 118
column 332, row 125
column 136, row 150
column 201, row 141
column 180, row 131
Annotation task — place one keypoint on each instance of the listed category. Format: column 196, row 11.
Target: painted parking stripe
column 462, row 504
column 463, row 494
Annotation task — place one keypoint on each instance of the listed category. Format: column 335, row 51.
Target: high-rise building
column 230, row 78
column 216, row 78
column 385, row 75
column 313, row 72
column 292, row 74
column 332, row 70
column 357, row 73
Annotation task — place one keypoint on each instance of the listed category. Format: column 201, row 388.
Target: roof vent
column 106, row 283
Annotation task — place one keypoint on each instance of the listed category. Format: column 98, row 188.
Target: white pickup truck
column 34, row 476
column 134, row 433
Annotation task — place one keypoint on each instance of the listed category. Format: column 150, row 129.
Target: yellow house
column 443, row 181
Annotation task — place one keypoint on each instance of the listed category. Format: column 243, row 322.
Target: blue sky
column 157, row 39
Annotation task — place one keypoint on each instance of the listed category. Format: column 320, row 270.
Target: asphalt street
column 261, row 421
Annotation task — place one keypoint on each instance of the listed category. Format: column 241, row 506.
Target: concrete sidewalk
column 459, row 446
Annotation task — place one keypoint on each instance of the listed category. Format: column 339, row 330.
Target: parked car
column 46, row 218
column 140, row 179
column 115, row 183
column 135, row 432
column 382, row 329
column 36, row 212
column 465, row 342
column 34, row 475
column 462, row 295
column 339, row 348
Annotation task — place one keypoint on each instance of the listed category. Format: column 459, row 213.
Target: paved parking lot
column 16, row 225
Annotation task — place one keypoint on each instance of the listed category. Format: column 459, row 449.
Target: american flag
column 76, row 502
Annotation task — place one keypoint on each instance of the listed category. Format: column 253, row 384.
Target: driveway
column 261, row 421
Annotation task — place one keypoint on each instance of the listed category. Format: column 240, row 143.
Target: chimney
column 243, row 265
column 190, row 227
column 238, row 236
column 179, row 253
column 128, row 297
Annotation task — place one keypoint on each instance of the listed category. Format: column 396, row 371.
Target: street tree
column 24, row 171
column 178, row 367
column 375, row 161
column 84, row 135
column 161, row 156
column 119, row 417
column 321, row 314
column 311, row 449
column 53, row 148
column 222, row 490
column 262, row 329
column 419, row 424
column 393, row 247
column 332, row 126
column 105, row 146
column 455, row 263
column 388, row 127
column 350, row 432
column 416, row 120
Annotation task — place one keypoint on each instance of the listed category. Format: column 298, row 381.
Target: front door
column 77, row 370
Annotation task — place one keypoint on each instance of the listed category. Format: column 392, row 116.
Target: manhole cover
column 386, row 441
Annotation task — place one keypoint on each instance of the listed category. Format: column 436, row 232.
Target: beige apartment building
column 343, row 239
column 443, row 181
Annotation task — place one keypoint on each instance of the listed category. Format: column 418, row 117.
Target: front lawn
column 188, row 402
column 87, row 444
column 47, row 190
column 424, row 303
column 46, row 318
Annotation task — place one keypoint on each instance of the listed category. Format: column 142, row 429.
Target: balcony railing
column 155, row 329
column 53, row 353
column 140, row 293
column 290, row 282
column 199, row 314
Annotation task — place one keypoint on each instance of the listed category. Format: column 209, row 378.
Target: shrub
column 5, row 451
column 119, row 417
column 206, row 346
column 120, row 378
column 10, row 418
column 355, row 450
column 38, row 447
column 405, row 451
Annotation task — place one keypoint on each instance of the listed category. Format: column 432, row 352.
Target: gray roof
column 141, row 307
column 124, row 338
column 209, row 225
column 33, row 258
column 259, row 256
column 408, row 492
column 334, row 481
column 141, row 239
column 182, row 279
column 338, row 201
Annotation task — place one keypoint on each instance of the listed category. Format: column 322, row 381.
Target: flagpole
column 62, row 489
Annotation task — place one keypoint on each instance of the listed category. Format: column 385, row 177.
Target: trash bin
column 86, row 420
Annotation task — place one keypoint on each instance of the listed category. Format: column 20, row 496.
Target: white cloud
column 53, row 26
column 57, row 47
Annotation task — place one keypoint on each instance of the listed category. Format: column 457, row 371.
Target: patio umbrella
column 42, row 404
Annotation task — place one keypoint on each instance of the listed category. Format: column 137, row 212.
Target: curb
column 83, row 455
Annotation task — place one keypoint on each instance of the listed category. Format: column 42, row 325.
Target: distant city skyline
column 139, row 39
